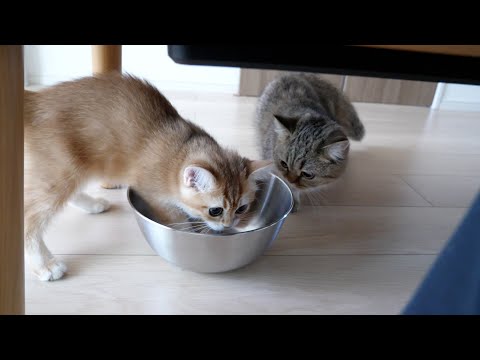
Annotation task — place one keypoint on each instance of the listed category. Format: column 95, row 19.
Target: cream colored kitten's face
column 221, row 202
column 217, row 210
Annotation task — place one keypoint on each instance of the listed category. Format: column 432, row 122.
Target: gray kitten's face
column 310, row 152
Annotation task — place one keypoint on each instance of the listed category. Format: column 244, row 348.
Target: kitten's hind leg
column 89, row 204
column 42, row 201
column 41, row 260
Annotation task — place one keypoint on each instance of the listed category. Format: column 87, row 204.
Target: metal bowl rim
column 216, row 235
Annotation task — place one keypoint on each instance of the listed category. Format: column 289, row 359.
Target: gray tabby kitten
column 303, row 123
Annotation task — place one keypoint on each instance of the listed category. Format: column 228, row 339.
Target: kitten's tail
column 356, row 131
column 341, row 107
column 348, row 118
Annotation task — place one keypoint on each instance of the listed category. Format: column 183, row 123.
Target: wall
column 49, row 64
column 460, row 97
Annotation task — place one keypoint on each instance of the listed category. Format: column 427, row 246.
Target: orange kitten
column 123, row 130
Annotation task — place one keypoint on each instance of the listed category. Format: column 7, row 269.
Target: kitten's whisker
column 206, row 230
column 184, row 228
column 203, row 230
column 247, row 217
column 314, row 199
column 310, row 198
column 318, row 196
column 185, row 223
column 199, row 224
column 322, row 195
column 190, row 227
column 198, row 227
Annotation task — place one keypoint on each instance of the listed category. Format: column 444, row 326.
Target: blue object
column 452, row 285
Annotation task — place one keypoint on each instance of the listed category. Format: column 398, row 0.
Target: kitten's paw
column 295, row 207
column 296, row 202
column 53, row 271
column 106, row 185
column 98, row 206
column 89, row 204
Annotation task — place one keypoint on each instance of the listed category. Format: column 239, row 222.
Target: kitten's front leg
column 40, row 206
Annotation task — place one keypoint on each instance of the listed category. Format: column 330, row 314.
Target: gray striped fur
column 305, row 121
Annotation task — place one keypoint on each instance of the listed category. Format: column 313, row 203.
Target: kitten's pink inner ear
column 189, row 177
column 198, row 178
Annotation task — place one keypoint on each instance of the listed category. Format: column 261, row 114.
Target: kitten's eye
column 284, row 164
column 217, row 211
column 241, row 209
column 307, row 175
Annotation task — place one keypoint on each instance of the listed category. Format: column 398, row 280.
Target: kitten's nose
column 228, row 225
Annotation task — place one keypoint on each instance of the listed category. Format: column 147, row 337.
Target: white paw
column 99, row 205
column 89, row 204
column 53, row 271
column 111, row 186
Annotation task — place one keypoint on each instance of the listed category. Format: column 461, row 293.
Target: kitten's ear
column 337, row 151
column 284, row 124
column 198, row 178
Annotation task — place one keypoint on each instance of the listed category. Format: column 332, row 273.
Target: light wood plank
column 327, row 230
column 453, row 191
column 271, row 285
column 327, row 259
column 363, row 189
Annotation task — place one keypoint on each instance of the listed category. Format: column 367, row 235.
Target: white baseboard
column 459, row 106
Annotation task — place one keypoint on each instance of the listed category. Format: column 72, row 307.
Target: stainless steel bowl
column 211, row 253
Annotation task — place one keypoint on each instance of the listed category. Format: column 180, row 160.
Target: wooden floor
column 361, row 248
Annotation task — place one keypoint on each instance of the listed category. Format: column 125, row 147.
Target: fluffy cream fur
column 124, row 131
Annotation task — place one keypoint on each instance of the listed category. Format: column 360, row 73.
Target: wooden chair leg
column 106, row 58
column 12, row 277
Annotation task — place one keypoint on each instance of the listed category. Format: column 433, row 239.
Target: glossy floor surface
column 361, row 246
